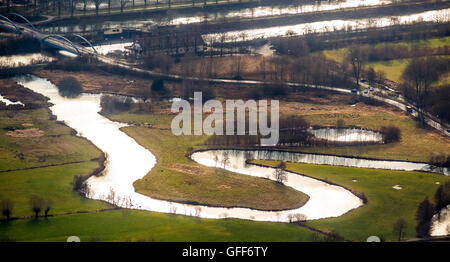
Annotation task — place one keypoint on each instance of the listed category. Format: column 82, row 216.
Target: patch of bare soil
column 102, row 82
column 26, row 133
column 182, row 168
column 224, row 187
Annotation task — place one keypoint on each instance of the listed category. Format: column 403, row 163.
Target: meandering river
column 127, row 161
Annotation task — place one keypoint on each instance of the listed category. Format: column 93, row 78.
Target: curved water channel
column 127, row 161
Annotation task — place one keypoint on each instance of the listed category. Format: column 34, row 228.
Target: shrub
column 440, row 160
column 19, row 45
column 36, row 205
column 254, row 93
column 69, row 87
column 208, row 93
column 275, row 90
column 390, row 134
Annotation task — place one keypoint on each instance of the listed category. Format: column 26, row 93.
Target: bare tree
column 127, row 202
column 36, row 204
column 262, row 68
column 60, row 5
column 243, row 36
column 48, row 206
column 225, row 159
column 418, row 77
column 356, row 57
column 371, row 75
column 97, row 4
column 7, row 208
column 111, row 198
column 123, row 3
column 198, row 211
column 216, row 160
column 8, row 6
column 299, row 218
column 239, row 65
column 223, row 37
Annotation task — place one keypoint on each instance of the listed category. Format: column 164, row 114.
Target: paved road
column 398, row 102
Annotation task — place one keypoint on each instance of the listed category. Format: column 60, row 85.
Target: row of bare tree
column 37, row 205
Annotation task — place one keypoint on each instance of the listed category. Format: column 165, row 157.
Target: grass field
column 176, row 177
column 50, row 183
column 392, row 69
column 417, row 144
column 71, row 156
column 338, row 54
column 54, row 183
column 132, row 225
column 385, row 204
column 33, row 150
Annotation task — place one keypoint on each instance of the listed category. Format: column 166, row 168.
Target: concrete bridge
column 55, row 41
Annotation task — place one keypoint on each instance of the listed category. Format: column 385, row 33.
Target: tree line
column 37, row 204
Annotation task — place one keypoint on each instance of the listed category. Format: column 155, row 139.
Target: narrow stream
column 127, row 161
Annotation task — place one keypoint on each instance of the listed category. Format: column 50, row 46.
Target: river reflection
column 347, row 135
column 321, row 159
column 175, row 18
column 331, row 26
